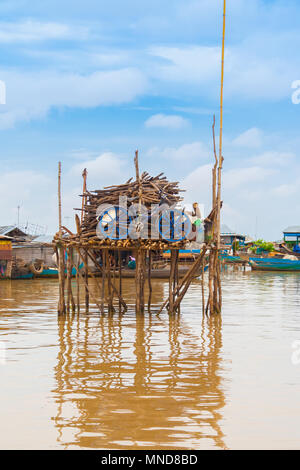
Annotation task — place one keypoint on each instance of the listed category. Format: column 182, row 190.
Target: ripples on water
column 93, row 381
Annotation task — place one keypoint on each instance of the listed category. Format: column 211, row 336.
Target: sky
column 88, row 83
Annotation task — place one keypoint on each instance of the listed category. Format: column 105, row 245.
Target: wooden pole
column 92, row 257
column 221, row 129
column 84, row 175
column 214, row 171
column 60, row 252
column 214, row 282
column 78, row 285
column 109, row 284
column 70, row 298
column 87, row 287
column 217, row 286
column 186, row 281
column 149, row 280
column 184, row 287
column 120, row 279
column 140, row 280
column 203, row 293
column 103, row 280
column 78, row 228
column 171, row 281
column 86, row 274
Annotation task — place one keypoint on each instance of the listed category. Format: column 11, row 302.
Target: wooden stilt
column 202, row 285
column 78, row 285
column 103, row 271
column 84, row 279
column 140, row 280
column 109, row 283
column 60, row 252
column 70, row 298
column 120, row 279
column 184, row 284
column 149, row 280
column 103, row 280
column 86, row 275
column 171, row 281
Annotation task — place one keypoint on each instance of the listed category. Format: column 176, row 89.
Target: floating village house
column 39, row 249
column 228, row 236
column 5, row 257
column 292, row 235
column 13, row 232
column 20, row 251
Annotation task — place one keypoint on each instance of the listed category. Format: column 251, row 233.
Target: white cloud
column 166, row 121
column 108, row 168
column 198, row 185
column 31, row 30
column 191, row 64
column 252, row 138
column 273, row 158
column 32, row 95
column 250, row 73
column 239, row 177
column 286, row 190
column 20, row 188
column 184, row 153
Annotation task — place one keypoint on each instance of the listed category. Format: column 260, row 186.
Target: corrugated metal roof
column 292, row 229
column 43, row 239
column 4, row 229
column 226, row 230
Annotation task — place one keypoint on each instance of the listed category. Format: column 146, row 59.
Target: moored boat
column 274, row 264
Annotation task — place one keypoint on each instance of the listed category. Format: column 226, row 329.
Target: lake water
column 152, row 382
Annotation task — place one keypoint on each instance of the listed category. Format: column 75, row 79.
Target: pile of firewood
column 146, row 190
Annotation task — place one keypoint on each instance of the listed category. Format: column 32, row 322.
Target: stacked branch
column 147, row 191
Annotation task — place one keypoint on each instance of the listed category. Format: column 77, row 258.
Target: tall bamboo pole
column 60, row 251
column 217, row 286
column 221, row 127
column 215, row 295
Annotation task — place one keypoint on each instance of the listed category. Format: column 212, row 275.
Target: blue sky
column 89, row 82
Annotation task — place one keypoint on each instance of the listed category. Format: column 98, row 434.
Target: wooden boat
column 51, row 273
column 274, row 264
column 233, row 259
column 21, row 274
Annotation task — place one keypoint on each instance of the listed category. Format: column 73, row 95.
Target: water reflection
column 152, row 382
column 138, row 382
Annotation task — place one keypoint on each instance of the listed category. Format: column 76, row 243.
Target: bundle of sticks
column 145, row 190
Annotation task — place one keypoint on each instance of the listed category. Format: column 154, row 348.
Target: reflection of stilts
column 167, row 385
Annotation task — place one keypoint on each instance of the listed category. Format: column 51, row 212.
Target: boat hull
column 266, row 264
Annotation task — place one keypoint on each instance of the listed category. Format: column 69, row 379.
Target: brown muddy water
column 127, row 382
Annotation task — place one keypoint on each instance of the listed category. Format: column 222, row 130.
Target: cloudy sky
column 88, row 82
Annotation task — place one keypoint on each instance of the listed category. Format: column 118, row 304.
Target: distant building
column 13, row 232
column 38, row 249
column 292, row 234
column 5, row 257
column 228, row 236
